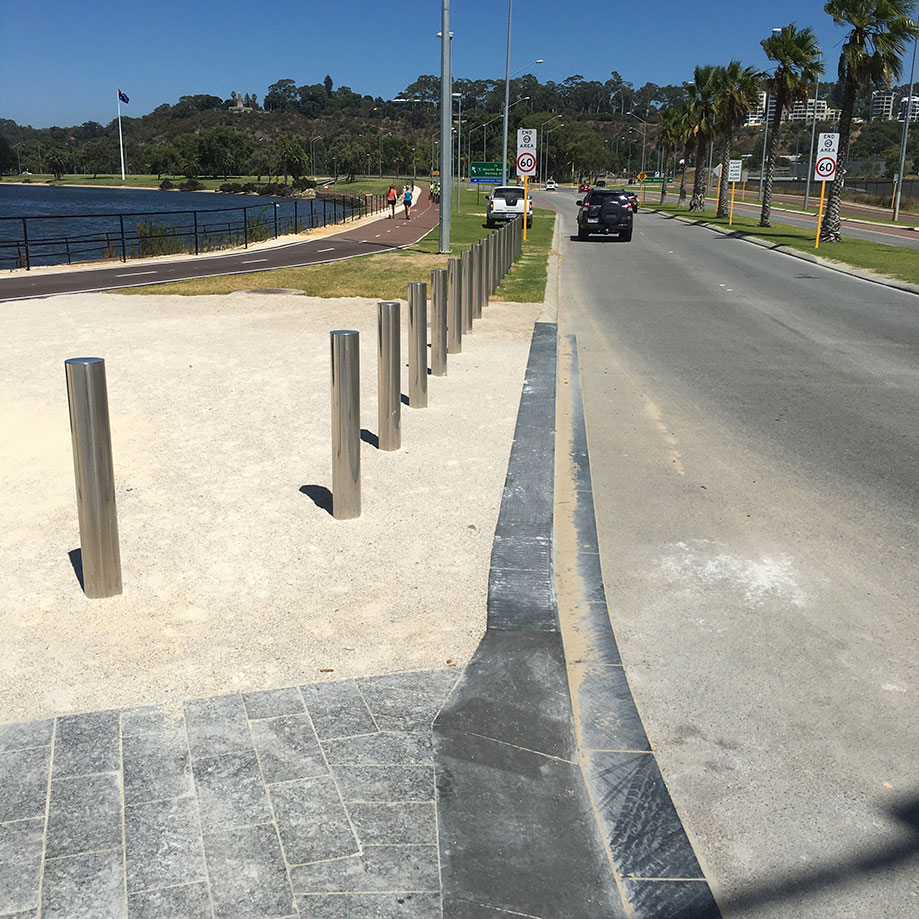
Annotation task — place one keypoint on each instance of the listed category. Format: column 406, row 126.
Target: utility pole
column 909, row 111
column 446, row 126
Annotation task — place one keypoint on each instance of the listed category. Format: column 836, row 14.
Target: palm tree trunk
column 723, row 184
column 687, row 149
column 700, row 182
column 829, row 229
column 766, row 212
column 664, row 176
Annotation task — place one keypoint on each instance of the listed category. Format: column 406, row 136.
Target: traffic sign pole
column 525, row 207
column 731, row 218
column 820, row 214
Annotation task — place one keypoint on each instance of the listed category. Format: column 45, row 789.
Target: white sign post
column 735, row 175
column 526, row 166
column 825, row 170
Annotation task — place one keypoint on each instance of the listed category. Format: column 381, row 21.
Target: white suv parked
column 506, row 203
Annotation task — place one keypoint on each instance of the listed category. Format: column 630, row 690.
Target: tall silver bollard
column 454, row 306
column 477, row 281
column 346, row 424
column 94, row 474
column 466, row 270
column 492, row 263
column 389, row 375
column 439, row 322
column 483, row 275
column 418, row 344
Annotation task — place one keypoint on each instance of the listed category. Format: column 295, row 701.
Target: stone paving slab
column 311, row 801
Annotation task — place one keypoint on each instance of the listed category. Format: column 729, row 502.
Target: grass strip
column 896, row 262
column 386, row 275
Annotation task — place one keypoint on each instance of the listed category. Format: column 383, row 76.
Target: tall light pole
column 381, row 151
column 446, row 126
column 909, row 110
column 644, row 137
column 484, row 126
column 546, row 147
column 542, row 141
column 507, row 90
column 810, row 158
column 18, row 156
column 313, row 155
column 459, row 148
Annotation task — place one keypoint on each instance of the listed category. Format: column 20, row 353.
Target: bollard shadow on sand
column 76, row 559
column 319, row 495
column 370, row 438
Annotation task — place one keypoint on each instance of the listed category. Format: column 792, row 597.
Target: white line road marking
column 331, row 249
column 377, row 236
column 252, row 261
column 134, row 274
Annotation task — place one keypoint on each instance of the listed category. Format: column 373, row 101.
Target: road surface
column 754, row 448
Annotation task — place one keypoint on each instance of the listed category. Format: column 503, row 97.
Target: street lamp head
column 539, row 61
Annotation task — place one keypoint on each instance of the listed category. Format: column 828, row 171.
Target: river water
column 67, row 224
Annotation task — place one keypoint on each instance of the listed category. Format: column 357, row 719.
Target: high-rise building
column 804, row 111
column 913, row 103
column 882, row 103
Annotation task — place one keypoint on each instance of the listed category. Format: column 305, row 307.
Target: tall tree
column 701, row 108
column 736, row 92
column 797, row 56
column 872, row 52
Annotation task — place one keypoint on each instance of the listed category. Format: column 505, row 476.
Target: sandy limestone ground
column 233, row 578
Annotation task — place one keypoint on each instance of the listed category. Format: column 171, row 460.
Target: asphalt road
column 752, row 422
column 377, row 236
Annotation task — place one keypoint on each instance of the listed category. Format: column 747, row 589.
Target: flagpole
column 120, row 140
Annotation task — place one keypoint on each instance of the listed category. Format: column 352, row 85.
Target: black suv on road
column 605, row 211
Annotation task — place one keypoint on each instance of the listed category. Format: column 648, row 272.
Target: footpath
column 511, row 776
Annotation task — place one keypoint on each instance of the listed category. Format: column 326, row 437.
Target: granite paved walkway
column 313, row 801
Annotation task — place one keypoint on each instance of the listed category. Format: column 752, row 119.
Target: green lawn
column 894, row 261
column 386, row 276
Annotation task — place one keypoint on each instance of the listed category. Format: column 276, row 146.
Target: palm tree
column 673, row 136
column 797, row 55
column 736, row 92
column 871, row 56
column 701, row 115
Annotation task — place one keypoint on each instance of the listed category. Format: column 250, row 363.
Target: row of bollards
column 458, row 295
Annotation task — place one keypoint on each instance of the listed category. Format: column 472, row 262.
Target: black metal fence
column 28, row 241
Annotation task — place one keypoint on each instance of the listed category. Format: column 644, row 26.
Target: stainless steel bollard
column 466, row 268
column 346, row 424
column 483, row 276
column 454, row 306
column 94, row 475
column 492, row 263
column 389, row 374
column 418, row 344
column 476, row 282
column 439, row 322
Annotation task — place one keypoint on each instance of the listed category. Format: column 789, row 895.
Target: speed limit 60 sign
column 825, row 157
column 526, row 152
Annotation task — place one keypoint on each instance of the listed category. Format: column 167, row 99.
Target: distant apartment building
column 882, row 103
column 804, row 111
column 913, row 103
column 761, row 112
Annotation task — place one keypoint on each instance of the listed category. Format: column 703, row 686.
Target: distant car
column 631, row 195
column 601, row 183
column 604, row 210
column 551, row 185
column 583, row 187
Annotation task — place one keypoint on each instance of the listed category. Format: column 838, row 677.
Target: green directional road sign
column 485, row 172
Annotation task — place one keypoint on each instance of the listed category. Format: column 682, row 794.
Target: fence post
column 245, row 228
column 438, row 322
column 418, row 344
column 25, row 239
column 124, row 249
column 195, row 215
column 346, row 424
column 324, row 220
column 276, row 205
column 296, row 217
column 94, row 476
column 389, row 375
column 454, row 306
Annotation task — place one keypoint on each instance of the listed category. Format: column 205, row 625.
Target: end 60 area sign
column 825, row 157
column 526, row 152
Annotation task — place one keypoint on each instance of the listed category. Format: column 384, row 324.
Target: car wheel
column 582, row 233
column 490, row 223
column 626, row 236
column 530, row 224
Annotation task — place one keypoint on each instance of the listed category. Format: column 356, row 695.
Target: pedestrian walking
column 391, row 199
column 407, row 201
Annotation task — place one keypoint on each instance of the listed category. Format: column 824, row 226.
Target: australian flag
column 123, row 97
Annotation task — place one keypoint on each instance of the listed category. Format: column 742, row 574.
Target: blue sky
column 60, row 63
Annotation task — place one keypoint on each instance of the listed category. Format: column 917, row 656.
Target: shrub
column 232, row 188
column 166, row 184
column 158, row 239
column 303, row 183
column 190, row 185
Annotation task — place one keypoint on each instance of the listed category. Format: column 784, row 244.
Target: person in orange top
column 391, row 199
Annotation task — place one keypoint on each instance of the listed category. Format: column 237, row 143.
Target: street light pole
column 381, row 151
column 909, row 110
column 459, row 150
column 446, row 126
column 543, row 142
column 546, row 147
column 810, row 158
column 507, row 93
